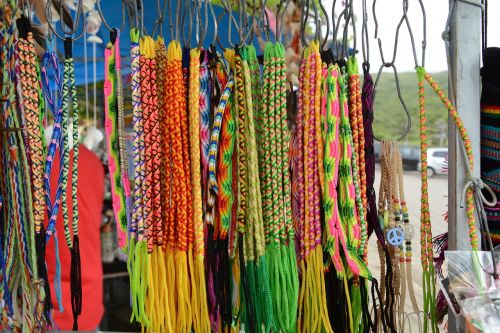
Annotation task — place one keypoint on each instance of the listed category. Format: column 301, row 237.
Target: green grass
column 390, row 118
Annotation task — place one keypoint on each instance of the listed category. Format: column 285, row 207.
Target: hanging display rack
column 242, row 212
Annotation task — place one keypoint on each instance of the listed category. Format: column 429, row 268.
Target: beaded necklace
column 405, row 250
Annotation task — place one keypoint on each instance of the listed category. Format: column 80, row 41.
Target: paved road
column 438, row 200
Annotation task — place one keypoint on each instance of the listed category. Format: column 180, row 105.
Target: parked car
column 437, row 161
column 409, row 154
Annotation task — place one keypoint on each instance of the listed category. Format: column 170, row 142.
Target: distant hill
column 390, row 119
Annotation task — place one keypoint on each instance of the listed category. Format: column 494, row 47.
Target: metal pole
column 465, row 64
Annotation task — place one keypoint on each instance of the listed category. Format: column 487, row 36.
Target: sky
column 389, row 13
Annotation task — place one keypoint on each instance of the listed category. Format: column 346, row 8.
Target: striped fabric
column 490, row 135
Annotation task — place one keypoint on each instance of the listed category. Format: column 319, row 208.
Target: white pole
column 465, row 64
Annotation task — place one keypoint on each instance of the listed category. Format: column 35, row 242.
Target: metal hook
column 201, row 28
column 132, row 11
column 255, row 23
column 177, row 17
column 412, row 39
column 375, row 19
column 98, row 5
column 216, row 23
column 327, row 19
column 161, row 17
column 396, row 40
column 72, row 30
column 365, row 43
column 242, row 19
column 231, row 21
column 317, row 21
column 140, row 4
column 348, row 15
column 264, row 18
column 280, row 22
column 336, row 28
column 303, row 21
column 250, row 24
column 398, row 89
column 424, row 23
column 186, row 11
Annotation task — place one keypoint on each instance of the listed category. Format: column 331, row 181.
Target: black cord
column 484, row 25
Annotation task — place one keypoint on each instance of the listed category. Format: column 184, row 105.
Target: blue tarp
column 112, row 11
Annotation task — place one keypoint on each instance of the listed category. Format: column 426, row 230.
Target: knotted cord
column 275, row 181
column 69, row 89
column 313, row 314
column 50, row 59
column 115, row 158
column 201, row 321
column 33, row 108
column 137, row 250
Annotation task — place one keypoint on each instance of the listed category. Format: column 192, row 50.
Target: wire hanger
column 391, row 64
column 68, row 33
